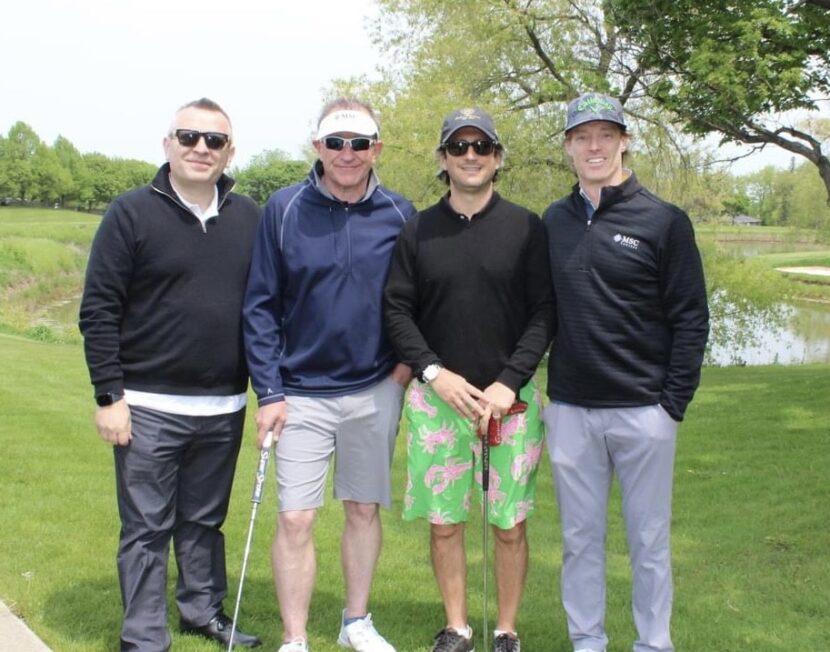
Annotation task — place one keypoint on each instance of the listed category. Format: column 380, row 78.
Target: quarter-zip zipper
column 176, row 201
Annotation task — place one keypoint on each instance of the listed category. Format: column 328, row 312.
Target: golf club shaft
column 256, row 499
column 485, row 507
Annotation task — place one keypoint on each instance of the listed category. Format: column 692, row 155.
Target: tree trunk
column 823, row 164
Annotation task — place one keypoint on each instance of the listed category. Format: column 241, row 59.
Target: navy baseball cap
column 477, row 118
column 591, row 107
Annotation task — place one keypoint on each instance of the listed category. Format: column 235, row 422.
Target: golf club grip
column 264, row 454
column 494, row 425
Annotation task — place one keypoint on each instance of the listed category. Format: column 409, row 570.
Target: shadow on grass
column 86, row 613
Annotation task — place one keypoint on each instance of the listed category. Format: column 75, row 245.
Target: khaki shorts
column 358, row 429
column 444, row 465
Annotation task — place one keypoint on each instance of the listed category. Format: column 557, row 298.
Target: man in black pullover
column 161, row 316
column 468, row 307
column 631, row 328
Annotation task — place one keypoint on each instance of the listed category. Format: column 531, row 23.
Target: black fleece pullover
column 162, row 304
column 473, row 294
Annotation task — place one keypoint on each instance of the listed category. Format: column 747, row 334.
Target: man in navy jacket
column 326, row 378
column 631, row 328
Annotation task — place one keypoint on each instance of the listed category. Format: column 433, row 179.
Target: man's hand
column 114, row 423
column 401, row 374
column 270, row 417
column 498, row 399
column 460, row 395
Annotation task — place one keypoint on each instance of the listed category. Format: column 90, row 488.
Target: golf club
column 492, row 438
column 256, row 499
column 485, row 518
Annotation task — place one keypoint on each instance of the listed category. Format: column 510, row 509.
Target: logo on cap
column 467, row 114
column 595, row 104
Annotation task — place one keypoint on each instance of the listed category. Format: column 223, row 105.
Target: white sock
column 467, row 632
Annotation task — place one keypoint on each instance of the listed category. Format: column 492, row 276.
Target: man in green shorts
column 468, row 306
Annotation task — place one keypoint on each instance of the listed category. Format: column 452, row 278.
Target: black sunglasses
column 213, row 139
column 359, row 144
column 460, row 147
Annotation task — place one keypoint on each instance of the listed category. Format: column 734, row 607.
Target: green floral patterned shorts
column 444, row 465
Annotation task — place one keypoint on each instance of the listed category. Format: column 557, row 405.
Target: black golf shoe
column 219, row 629
column 449, row 640
column 506, row 643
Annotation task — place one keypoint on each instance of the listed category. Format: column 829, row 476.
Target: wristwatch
column 108, row 399
column 430, row 372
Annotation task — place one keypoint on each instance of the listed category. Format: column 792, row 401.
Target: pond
column 803, row 336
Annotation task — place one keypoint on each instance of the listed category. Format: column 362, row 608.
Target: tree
column 70, row 159
column 267, row 172
column 733, row 68
column 523, row 61
column 719, row 67
column 104, row 182
column 52, row 181
column 19, row 153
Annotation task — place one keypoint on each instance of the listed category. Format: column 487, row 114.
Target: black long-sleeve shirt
column 474, row 295
column 631, row 312
column 162, row 303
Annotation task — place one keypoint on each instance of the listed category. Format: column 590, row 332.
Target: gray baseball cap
column 477, row 118
column 591, row 107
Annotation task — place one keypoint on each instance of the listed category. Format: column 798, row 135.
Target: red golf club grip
column 494, row 426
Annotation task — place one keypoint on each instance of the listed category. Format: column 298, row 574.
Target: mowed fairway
column 751, row 533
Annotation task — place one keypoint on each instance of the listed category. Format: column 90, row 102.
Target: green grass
column 751, row 540
column 802, row 286
column 43, row 255
column 728, row 233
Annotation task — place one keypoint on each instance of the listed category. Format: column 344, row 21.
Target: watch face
column 431, row 372
column 107, row 399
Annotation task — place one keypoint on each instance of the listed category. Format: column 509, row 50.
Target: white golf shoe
column 362, row 636
column 297, row 645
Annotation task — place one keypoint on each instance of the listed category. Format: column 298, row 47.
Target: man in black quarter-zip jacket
column 630, row 331
column 161, row 316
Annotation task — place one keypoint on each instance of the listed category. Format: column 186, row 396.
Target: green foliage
column 731, row 68
column 750, row 540
column 30, row 171
column 717, row 68
column 268, row 172
column 791, row 197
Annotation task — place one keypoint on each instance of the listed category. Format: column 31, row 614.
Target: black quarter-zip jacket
column 162, row 303
column 632, row 318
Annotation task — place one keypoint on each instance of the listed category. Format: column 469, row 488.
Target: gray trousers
column 587, row 446
column 173, row 482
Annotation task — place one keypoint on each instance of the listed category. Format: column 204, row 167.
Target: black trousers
column 173, row 482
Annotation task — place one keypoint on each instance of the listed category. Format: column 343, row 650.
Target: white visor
column 347, row 121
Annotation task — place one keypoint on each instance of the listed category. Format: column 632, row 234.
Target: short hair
column 345, row 103
column 205, row 104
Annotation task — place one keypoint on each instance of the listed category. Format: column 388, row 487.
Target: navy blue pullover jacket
column 313, row 309
column 632, row 316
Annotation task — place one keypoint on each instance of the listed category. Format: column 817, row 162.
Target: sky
column 109, row 74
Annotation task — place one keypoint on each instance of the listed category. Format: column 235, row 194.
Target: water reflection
column 798, row 334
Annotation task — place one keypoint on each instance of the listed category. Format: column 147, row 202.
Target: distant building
column 745, row 220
